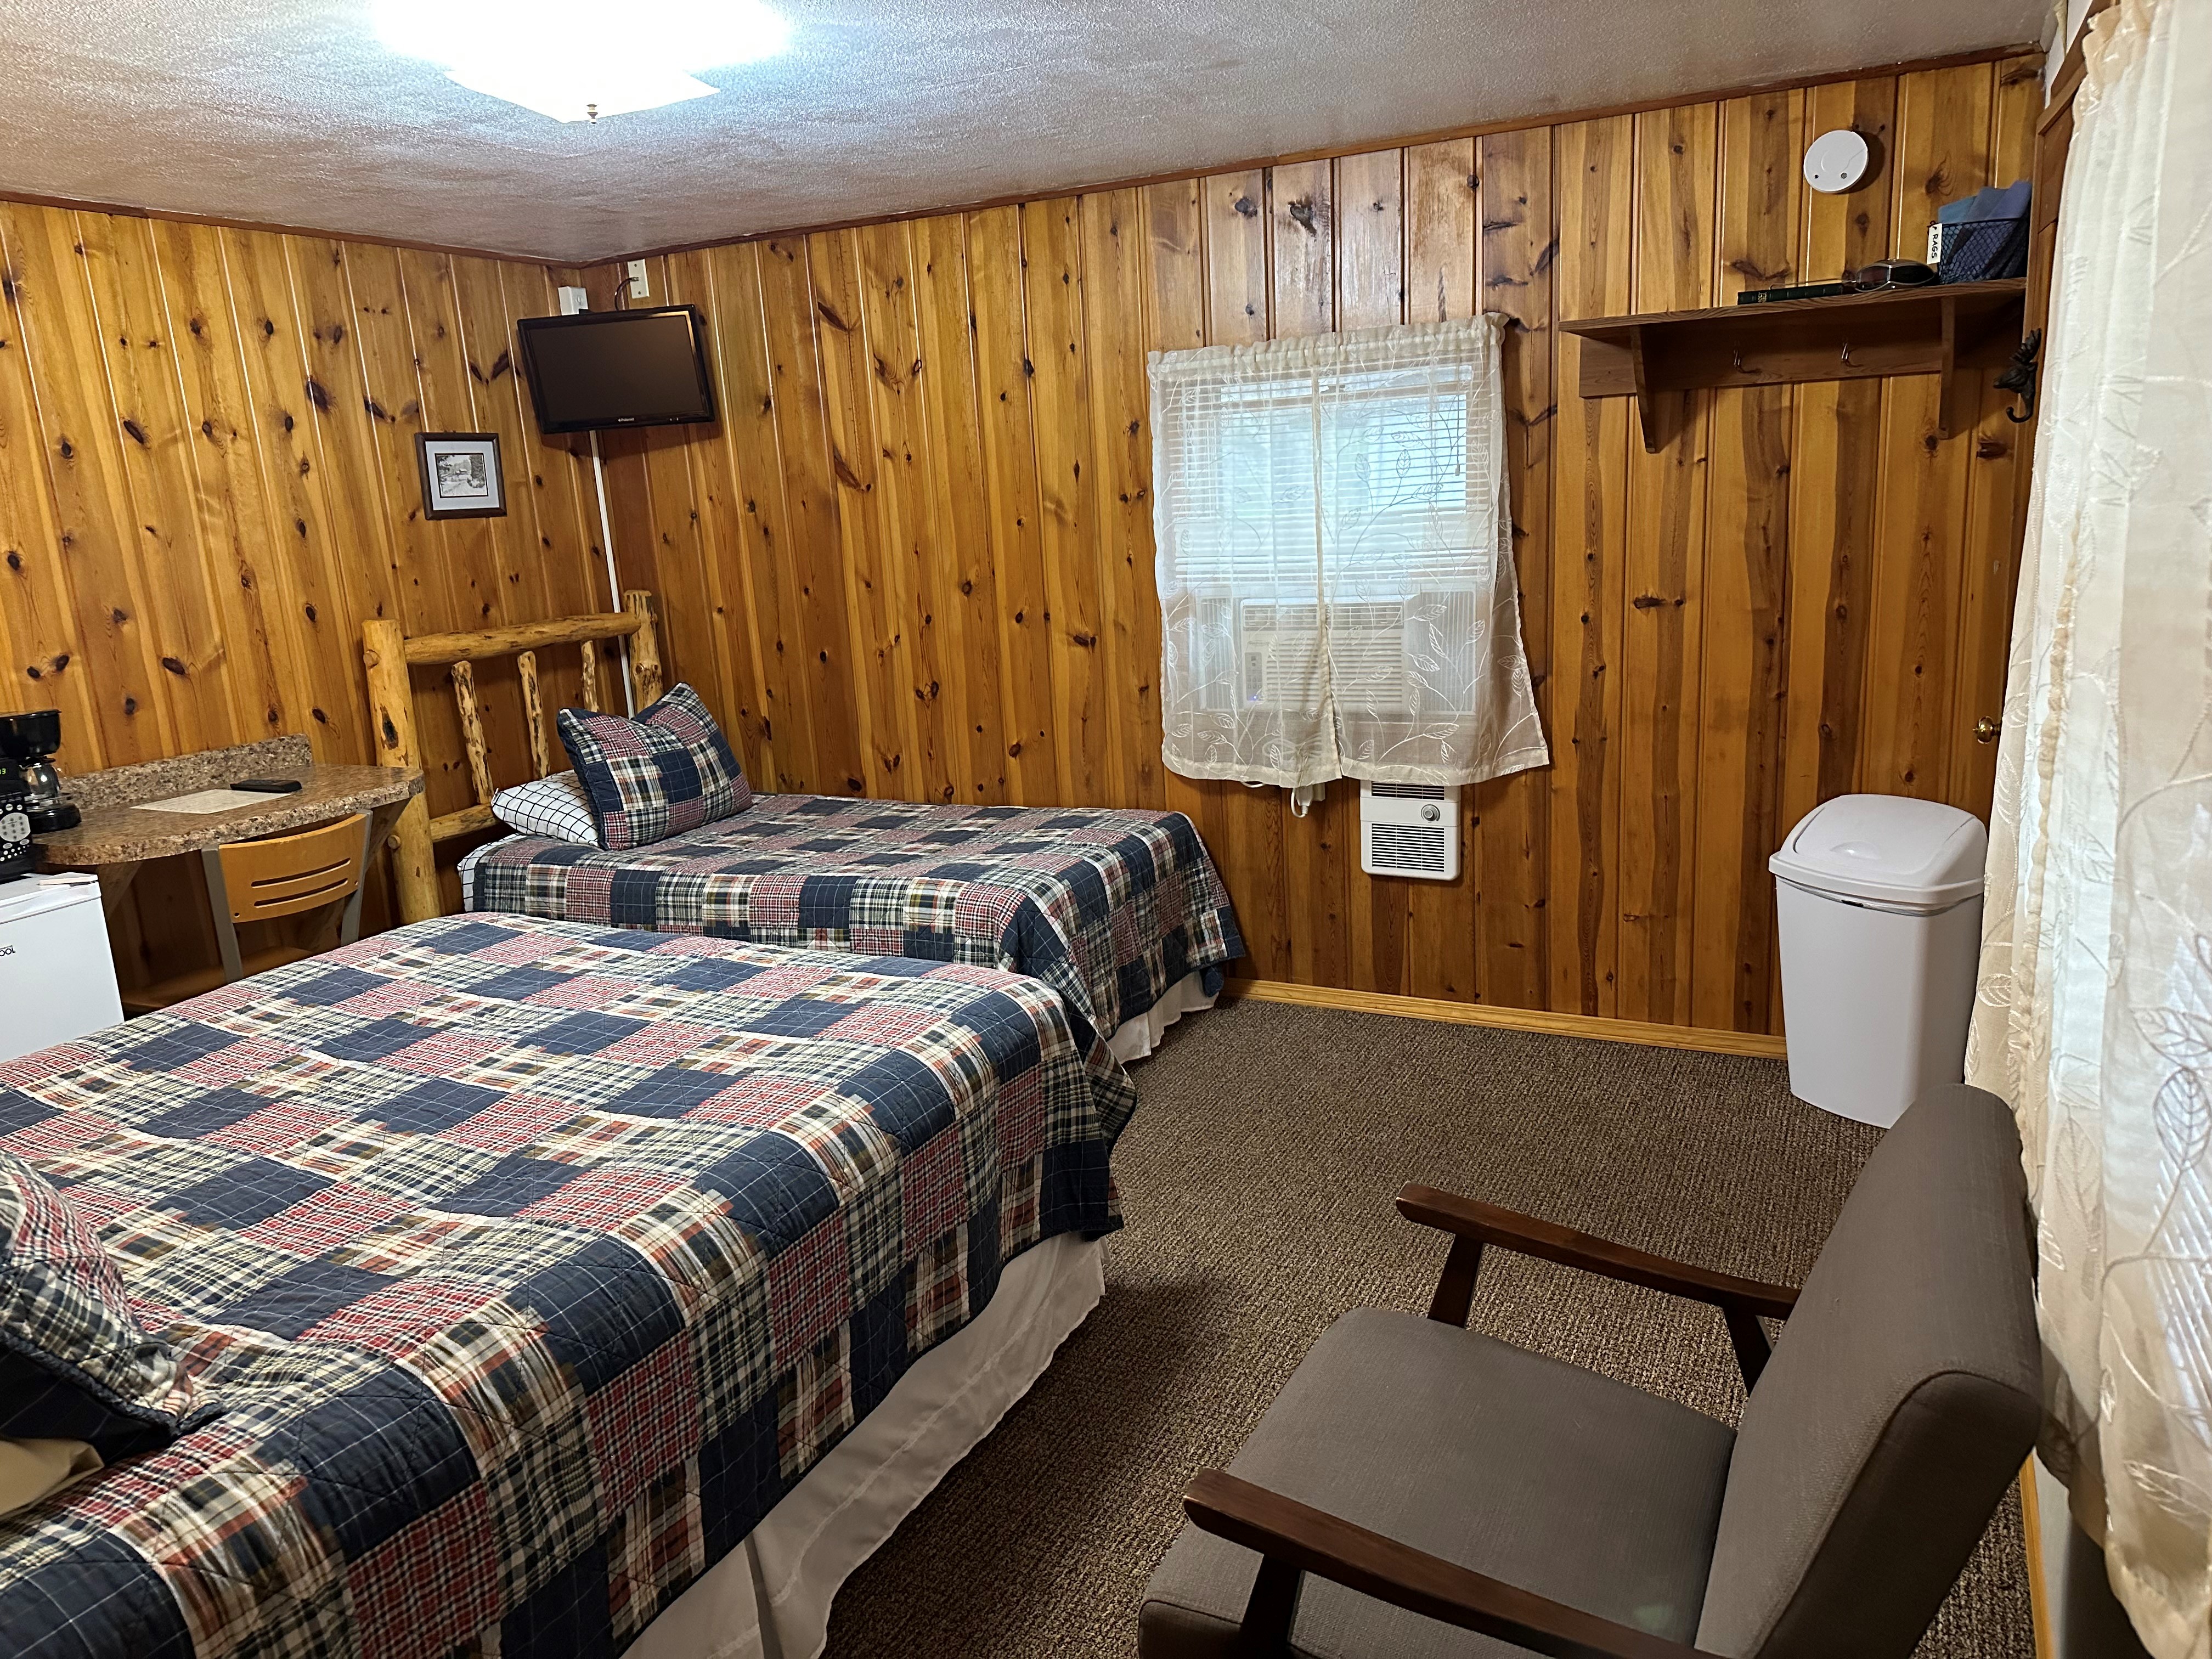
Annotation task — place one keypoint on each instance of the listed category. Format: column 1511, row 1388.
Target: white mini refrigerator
column 57, row 977
column 1879, row 903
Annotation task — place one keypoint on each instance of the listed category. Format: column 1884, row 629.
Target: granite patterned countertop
column 120, row 829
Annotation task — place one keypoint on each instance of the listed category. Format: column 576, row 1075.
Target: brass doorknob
column 1986, row 730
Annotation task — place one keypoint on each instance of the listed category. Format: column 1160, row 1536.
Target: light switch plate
column 573, row 299
column 639, row 287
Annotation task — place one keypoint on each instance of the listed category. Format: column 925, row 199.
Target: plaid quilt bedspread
column 1109, row 908
column 530, row 1263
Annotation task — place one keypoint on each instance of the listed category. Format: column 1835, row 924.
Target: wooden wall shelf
column 1952, row 332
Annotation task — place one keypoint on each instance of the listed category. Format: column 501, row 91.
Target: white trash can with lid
column 1879, row 899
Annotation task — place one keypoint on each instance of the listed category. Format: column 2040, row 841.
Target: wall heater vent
column 1409, row 830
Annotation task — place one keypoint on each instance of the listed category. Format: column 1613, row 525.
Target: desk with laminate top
column 121, row 830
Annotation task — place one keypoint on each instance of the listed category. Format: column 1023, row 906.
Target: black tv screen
column 608, row 368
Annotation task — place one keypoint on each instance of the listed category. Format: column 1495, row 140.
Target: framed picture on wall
column 461, row 477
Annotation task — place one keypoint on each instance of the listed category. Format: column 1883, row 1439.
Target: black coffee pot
column 27, row 745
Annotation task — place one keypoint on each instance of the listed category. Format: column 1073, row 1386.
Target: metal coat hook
column 2020, row 377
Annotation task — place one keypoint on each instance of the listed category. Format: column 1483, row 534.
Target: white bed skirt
column 1137, row 1037
column 770, row 1596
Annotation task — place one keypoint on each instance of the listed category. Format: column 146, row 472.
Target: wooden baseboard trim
column 2038, row 1587
column 1756, row 1044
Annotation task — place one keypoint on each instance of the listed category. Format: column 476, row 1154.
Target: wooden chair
column 269, row 880
column 1419, row 1490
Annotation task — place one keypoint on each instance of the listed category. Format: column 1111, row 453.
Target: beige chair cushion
column 1550, row 1477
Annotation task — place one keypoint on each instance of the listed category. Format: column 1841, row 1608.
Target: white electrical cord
column 614, row 582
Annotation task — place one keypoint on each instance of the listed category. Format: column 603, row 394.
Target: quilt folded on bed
column 526, row 1265
column 1110, row 908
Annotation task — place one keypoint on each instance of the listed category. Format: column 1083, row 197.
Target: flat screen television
column 616, row 368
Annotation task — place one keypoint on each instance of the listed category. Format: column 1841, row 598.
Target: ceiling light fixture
column 562, row 58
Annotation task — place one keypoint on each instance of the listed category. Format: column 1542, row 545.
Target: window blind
column 1335, row 562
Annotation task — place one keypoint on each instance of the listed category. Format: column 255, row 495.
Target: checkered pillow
column 556, row 806
column 74, row 1364
column 665, row 773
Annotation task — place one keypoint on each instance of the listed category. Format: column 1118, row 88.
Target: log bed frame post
column 388, row 653
column 644, row 648
column 391, row 718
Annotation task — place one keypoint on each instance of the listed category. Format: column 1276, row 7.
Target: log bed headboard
column 388, row 652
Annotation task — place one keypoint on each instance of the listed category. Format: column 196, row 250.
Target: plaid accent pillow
column 556, row 806
column 665, row 773
column 75, row 1364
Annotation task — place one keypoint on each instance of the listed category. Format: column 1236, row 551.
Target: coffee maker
column 16, row 853
column 26, row 773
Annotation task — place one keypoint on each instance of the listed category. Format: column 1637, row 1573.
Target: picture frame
column 461, row 474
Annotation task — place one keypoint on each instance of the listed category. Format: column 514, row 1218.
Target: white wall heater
column 1409, row 830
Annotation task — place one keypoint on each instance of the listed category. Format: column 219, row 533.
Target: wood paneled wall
column 915, row 557
column 208, row 482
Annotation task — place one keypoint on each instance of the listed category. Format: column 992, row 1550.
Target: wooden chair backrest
column 389, row 652
column 287, row 874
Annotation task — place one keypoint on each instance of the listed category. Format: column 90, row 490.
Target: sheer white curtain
column 2094, row 1017
column 1335, row 561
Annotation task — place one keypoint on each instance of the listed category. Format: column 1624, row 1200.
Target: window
column 1335, row 569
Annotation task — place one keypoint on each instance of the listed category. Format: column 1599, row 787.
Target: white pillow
column 556, row 806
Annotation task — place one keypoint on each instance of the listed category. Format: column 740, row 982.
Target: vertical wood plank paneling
column 1996, row 502
column 311, row 562
column 1370, row 207
column 1004, row 378
column 1122, row 436
column 1441, row 929
column 1662, row 629
column 721, row 632
column 1594, row 182
column 142, row 384
column 914, row 555
column 1835, row 483
column 1307, row 240
column 1176, row 296
column 1399, row 931
column 1442, row 191
column 1762, row 142
column 522, row 574
column 1237, row 310
column 907, row 501
column 1053, row 285
column 46, row 664
column 829, row 681
column 756, row 481
column 877, row 647
column 1511, row 834
column 1372, row 265
column 94, row 546
column 234, row 522
column 207, row 484
column 950, row 378
column 1942, row 152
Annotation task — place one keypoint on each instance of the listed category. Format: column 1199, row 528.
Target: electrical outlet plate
column 639, row 287
column 573, row 299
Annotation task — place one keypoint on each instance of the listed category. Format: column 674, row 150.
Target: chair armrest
column 1294, row 1538
column 1486, row 1223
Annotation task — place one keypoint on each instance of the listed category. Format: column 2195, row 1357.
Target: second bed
column 1120, row 912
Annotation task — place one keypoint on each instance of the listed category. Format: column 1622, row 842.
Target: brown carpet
column 1257, row 1181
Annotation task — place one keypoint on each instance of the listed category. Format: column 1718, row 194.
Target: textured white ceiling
column 290, row 112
